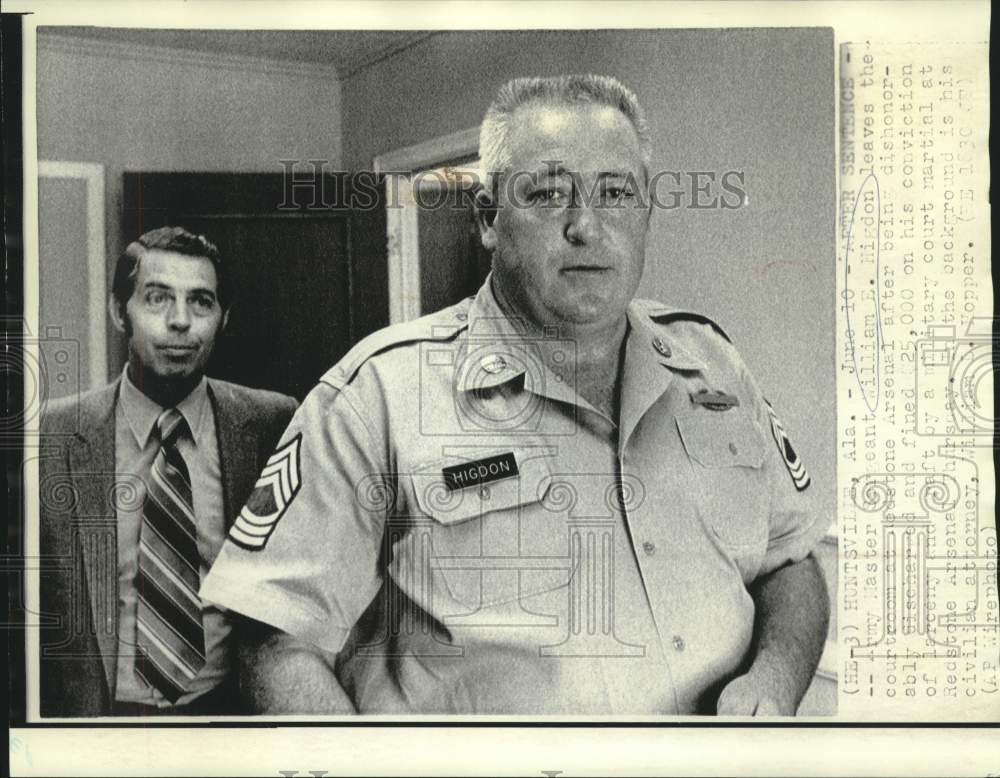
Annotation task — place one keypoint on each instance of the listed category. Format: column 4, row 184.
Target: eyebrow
column 166, row 287
column 548, row 167
column 559, row 170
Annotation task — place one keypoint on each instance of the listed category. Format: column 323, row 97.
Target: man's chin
column 176, row 374
column 590, row 310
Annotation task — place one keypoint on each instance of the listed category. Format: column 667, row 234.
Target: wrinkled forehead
column 588, row 137
column 182, row 271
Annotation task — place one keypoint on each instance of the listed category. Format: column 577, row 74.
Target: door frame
column 402, row 229
column 92, row 174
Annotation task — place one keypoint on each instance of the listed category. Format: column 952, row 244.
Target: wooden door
column 453, row 262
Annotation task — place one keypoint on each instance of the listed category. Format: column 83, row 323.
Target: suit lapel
column 92, row 466
column 91, row 458
column 238, row 447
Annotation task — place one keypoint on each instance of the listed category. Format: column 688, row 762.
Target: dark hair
column 173, row 239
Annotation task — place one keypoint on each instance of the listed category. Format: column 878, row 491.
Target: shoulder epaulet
column 441, row 325
column 664, row 314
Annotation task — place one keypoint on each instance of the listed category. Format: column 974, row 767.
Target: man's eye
column 155, row 297
column 203, row 304
column 547, row 197
column 615, row 195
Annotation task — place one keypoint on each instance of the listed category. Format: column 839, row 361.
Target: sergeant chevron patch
column 272, row 494
column 795, row 467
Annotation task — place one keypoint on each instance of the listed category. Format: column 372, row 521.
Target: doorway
column 435, row 257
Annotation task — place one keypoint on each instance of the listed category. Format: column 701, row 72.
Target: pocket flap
column 496, row 480
column 721, row 438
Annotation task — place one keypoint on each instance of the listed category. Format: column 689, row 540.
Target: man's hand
column 793, row 613
column 758, row 694
column 280, row 674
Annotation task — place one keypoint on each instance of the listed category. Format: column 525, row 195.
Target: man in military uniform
column 552, row 498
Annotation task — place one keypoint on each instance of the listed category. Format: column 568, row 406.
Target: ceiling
column 348, row 51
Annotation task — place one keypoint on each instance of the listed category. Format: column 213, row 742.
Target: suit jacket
column 78, row 529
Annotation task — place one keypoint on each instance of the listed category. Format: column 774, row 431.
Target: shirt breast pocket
column 726, row 450
column 488, row 541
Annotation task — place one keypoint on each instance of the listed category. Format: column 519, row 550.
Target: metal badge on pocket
column 715, row 401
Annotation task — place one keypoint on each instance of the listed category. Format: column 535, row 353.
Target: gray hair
column 494, row 148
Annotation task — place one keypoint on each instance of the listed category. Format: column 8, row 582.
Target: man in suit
column 140, row 484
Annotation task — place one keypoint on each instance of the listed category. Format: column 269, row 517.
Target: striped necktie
column 170, row 635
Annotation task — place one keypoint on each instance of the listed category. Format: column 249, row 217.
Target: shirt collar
column 489, row 330
column 141, row 412
column 654, row 340
column 487, row 319
column 495, row 345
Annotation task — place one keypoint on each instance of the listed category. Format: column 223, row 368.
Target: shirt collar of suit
column 141, row 412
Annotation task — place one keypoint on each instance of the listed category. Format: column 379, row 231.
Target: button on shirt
column 535, row 591
column 136, row 445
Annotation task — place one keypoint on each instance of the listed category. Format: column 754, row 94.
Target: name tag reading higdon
column 482, row 471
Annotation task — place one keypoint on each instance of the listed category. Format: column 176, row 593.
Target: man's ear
column 486, row 215
column 225, row 320
column 117, row 314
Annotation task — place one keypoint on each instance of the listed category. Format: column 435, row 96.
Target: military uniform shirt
column 471, row 536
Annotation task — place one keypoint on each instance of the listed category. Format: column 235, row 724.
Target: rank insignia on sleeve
column 795, row 467
column 272, row 494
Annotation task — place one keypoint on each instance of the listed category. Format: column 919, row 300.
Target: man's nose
column 581, row 225
column 179, row 317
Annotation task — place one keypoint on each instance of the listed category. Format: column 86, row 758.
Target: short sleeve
column 302, row 554
column 796, row 523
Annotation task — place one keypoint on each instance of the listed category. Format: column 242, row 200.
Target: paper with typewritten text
column 918, row 556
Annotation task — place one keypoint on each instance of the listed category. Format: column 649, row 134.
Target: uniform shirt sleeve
column 310, row 568
column 796, row 524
